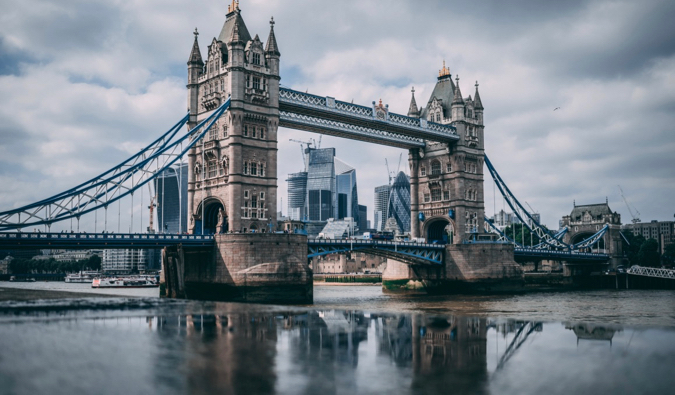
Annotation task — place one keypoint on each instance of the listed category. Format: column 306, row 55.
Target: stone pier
column 251, row 267
column 467, row 268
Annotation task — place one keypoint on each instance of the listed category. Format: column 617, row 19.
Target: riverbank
column 24, row 295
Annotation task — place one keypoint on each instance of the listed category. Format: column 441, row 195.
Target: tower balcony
column 257, row 95
column 211, row 101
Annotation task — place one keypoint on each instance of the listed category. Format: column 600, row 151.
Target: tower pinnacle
column 478, row 105
column 271, row 46
column 413, row 110
column 458, row 94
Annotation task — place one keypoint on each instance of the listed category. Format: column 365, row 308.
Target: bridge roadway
column 409, row 252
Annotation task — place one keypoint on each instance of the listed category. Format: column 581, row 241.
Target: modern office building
column 171, row 193
column 124, row 261
column 381, row 206
column 363, row 222
column 347, row 196
column 297, row 196
column 399, row 202
column 661, row 231
column 321, row 199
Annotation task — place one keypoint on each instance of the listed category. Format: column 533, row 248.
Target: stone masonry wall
column 481, row 262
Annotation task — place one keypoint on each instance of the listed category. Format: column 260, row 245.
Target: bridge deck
column 16, row 240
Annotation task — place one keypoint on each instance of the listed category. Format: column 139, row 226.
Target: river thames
column 352, row 340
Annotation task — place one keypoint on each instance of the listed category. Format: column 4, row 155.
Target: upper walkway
column 326, row 115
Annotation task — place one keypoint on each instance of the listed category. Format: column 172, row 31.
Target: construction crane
column 152, row 206
column 305, row 151
column 636, row 214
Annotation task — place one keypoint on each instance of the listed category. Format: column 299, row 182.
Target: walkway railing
column 652, row 272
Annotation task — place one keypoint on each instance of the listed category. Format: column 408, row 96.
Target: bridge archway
column 439, row 230
column 215, row 217
column 581, row 236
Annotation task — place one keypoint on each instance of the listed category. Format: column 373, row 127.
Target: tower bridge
column 235, row 107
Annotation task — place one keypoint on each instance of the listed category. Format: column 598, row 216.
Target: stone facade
column 356, row 262
column 448, row 178
column 232, row 183
column 254, row 267
column 586, row 220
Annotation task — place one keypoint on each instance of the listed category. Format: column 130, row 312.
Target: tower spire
column 195, row 54
column 271, row 46
column 478, row 105
column 445, row 71
column 413, row 110
column 458, row 94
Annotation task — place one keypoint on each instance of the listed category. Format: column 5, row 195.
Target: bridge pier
column 467, row 268
column 251, row 267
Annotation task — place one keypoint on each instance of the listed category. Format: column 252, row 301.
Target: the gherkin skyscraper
column 399, row 202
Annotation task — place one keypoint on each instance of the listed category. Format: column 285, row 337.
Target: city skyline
column 576, row 95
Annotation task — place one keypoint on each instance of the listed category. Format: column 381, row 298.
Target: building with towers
column 446, row 180
column 232, row 178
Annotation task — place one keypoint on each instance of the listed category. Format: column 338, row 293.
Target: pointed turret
column 196, row 54
column 412, row 110
column 457, row 103
column 477, row 104
column 234, row 20
column 271, row 47
column 195, row 69
column 457, row 99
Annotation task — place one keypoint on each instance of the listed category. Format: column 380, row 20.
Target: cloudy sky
column 85, row 83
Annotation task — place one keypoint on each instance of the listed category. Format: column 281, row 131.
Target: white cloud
column 89, row 82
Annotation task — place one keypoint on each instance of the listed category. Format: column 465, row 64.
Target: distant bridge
column 413, row 253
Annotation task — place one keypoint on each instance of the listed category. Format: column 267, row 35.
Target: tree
column 669, row 255
column 648, row 255
column 633, row 249
column 522, row 235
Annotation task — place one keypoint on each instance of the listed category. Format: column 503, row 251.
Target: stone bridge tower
column 446, row 182
column 585, row 220
column 232, row 182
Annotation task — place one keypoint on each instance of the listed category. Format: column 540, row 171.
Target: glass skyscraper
column 399, row 202
column 321, row 199
column 381, row 206
column 297, row 196
column 171, row 193
column 347, row 196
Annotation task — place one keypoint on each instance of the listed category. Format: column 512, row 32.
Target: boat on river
column 125, row 282
column 81, row 277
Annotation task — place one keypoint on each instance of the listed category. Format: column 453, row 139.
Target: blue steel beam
column 418, row 252
column 73, row 241
column 346, row 130
column 110, row 186
column 327, row 108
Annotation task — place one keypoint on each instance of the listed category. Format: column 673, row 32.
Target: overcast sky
column 85, row 83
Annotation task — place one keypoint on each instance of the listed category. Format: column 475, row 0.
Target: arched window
column 435, row 167
column 438, row 117
column 436, row 194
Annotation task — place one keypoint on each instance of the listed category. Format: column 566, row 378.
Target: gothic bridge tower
column 446, row 182
column 232, row 182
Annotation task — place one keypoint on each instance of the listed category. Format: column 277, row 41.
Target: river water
column 352, row 340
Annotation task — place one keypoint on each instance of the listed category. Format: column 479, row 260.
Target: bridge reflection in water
column 193, row 348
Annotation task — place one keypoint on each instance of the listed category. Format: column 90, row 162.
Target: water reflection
column 308, row 352
column 593, row 332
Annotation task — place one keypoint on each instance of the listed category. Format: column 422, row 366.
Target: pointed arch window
column 435, row 167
